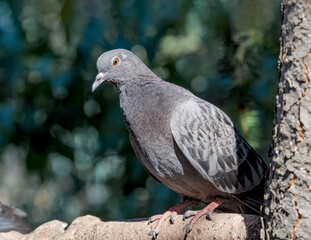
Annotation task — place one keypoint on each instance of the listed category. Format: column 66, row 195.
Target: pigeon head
column 118, row 67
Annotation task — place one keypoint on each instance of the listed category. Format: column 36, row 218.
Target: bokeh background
column 64, row 152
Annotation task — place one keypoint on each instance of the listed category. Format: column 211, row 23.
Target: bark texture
column 287, row 207
column 223, row 226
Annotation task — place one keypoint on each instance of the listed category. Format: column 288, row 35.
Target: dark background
column 64, row 152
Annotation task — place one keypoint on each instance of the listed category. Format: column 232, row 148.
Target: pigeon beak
column 100, row 78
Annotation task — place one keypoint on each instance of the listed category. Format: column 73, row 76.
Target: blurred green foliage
column 65, row 151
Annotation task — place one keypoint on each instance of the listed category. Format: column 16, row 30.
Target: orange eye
column 115, row 62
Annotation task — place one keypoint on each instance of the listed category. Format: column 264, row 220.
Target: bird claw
column 197, row 214
column 172, row 219
column 191, row 224
column 161, row 217
column 171, row 213
column 154, row 218
column 209, row 216
column 188, row 214
column 188, row 229
column 185, row 216
column 154, row 233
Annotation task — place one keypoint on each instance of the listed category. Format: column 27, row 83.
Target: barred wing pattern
column 214, row 147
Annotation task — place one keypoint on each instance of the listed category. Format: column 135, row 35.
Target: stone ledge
column 223, row 226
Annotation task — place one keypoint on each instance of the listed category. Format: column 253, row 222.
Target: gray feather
column 12, row 219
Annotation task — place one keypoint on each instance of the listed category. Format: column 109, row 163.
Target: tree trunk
column 287, row 209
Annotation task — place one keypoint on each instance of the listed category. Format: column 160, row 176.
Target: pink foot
column 172, row 212
column 197, row 214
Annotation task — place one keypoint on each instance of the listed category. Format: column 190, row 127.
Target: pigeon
column 184, row 142
column 12, row 219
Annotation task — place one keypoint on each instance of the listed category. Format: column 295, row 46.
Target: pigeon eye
column 115, row 62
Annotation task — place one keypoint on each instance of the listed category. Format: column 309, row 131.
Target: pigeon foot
column 197, row 214
column 171, row 213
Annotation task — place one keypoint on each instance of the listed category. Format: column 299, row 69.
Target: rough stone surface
column 288, row 193
column 223, row 226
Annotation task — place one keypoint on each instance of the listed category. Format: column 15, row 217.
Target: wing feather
column 214, row 147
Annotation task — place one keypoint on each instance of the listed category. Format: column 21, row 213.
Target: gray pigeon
column 12, row 219
column 184, row 142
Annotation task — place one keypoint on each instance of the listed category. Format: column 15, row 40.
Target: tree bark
column 223, row 226
column 287, row 209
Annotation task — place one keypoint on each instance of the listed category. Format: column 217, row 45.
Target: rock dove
column 184, row 142
column 12, row 219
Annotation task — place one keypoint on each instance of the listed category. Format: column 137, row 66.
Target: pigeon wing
column 214, row 147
